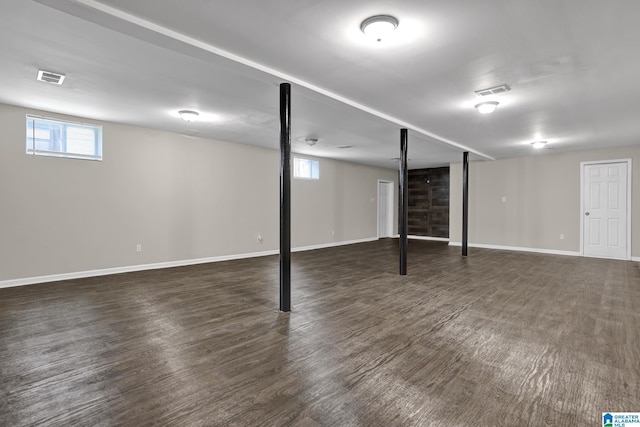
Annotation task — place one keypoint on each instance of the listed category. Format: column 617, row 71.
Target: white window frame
column 64, row 125
column 311, row 163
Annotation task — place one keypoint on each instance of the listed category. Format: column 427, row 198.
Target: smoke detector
column 493, row 90
column 50, row 77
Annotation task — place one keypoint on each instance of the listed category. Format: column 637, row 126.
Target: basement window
column 305, row 168
column 58, row 138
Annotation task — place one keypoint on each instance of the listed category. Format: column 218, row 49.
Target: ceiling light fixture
column 379, row 26
column 189, row 115
column 311, row 141
column 539, row 144
column 487, row 107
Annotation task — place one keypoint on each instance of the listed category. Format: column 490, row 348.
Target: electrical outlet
column 259, row 239
column 138, row 247
column 504, row 199
column 333, row 232
column 562, row 237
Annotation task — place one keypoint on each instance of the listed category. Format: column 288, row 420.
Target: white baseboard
column 159, row 265
column 155, row 266
column 436, row 239
column 331, row 245
column 518, row 248
column 127, row 269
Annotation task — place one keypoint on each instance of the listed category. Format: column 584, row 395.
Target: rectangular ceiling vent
column 50, row 77
column 493, row 90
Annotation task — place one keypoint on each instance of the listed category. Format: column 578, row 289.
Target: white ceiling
column 571, row 64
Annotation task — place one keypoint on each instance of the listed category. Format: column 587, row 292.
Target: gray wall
column 181, row 197
column 543, row 200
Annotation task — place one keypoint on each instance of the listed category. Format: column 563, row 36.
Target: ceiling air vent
column 50, row 77
column 493, row 90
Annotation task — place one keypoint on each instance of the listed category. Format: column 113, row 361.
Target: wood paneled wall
column 429, row 202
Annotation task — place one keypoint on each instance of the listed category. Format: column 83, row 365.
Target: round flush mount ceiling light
column 188, row 115
column 487, row 107
column 379, row 26
column 539, row 144
column 311, row 141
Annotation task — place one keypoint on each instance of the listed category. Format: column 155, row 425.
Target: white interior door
column 385, row 209
column 605, row 210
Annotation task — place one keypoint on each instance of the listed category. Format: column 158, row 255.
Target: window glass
column 47, row 137
column 305, row 168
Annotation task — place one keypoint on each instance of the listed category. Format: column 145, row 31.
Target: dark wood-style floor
column 497, row 339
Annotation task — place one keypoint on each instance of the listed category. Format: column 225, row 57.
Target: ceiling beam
column 126, row 23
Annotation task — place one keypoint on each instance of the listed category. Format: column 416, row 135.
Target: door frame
column 390, row 207
column 629, row 201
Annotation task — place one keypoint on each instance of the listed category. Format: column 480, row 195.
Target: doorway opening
column 429, row 203
column 385, row 209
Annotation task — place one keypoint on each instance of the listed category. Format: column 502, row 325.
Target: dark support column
column 465, row 202
column 285, row 197
column 404, row 201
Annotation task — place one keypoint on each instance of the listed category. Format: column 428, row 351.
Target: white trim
column 386, row 182
column 65, row 154
column 629, row 201
column 331, row 244
column 518, row 248
column 92, row 6
column 607, row 257
column 635, row 258
column 159, row 265
column 437, row 239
